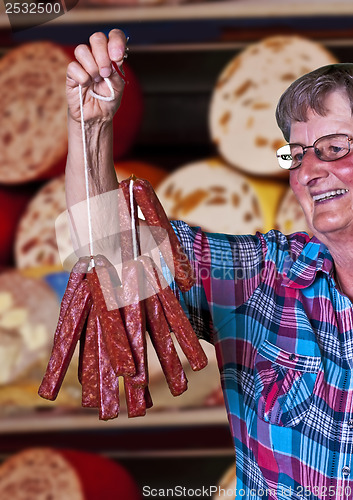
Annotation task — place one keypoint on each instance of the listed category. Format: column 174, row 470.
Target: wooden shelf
column 45, row 421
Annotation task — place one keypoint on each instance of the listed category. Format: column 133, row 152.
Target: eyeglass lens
column 327, row 148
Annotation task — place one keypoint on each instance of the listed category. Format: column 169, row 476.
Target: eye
column 335, row 149
column 298, row 158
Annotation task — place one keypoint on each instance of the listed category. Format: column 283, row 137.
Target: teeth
column 329, row 194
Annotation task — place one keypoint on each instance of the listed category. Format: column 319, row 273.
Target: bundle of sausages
column 110, row 321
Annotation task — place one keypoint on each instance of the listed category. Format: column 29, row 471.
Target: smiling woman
column 269, row 302
column 321, row 177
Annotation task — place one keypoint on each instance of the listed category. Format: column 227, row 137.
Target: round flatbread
column 33, row 110
column 62, row 474
column 35, row 241
column 39, row 474
column 29, row 309
column 242, row 109
column 212, row 195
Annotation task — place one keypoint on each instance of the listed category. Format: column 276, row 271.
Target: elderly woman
column 277, row 308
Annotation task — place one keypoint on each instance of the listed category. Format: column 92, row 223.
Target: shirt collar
column 314, row 257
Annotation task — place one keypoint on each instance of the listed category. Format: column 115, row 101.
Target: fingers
column 94, row 62
column 117, row 46
column 99, row 46
column 76, row 75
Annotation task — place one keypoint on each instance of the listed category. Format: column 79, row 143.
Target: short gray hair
column 310, row 92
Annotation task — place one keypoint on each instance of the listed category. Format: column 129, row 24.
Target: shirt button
column 350, row 422
column 346, row 470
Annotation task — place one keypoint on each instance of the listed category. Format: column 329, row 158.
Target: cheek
column 293, row 182
column 297, row 188
column 344, row 170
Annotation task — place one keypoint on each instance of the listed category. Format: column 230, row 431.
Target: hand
column 93, row 64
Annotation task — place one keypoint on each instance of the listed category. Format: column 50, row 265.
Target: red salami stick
column 135, row 398
column 108, row 381
column 89, row 364
column 115, row 338
column 133, row 311
column 178, row 322
column 148, row 399
column 163, row 344
column 76, row 276
column 155, row 216
column 134, row 317
column 65, row 342
column 126, row 222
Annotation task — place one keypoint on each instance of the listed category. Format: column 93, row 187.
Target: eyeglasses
column 327, row 148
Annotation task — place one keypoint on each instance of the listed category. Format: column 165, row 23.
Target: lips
column 329, row 195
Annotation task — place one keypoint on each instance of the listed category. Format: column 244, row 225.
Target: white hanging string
column 101, row 98
column 133, row 225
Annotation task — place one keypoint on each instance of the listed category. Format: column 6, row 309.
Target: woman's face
column 316, row 177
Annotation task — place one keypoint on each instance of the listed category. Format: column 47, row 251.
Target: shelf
column 166, row 434
column 212, row 10
column 45, row 421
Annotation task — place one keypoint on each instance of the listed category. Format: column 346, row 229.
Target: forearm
column 99, row 149
column 102, row 210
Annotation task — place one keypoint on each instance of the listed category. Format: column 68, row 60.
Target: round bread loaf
column 35, row 241
column 43, row 473
column 29, row 309
column 212, row 195
column 33, row 134
column 242, row 109
column 290, row 217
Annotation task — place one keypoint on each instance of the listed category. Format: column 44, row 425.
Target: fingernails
column 105, row 72
column 98, row 79
column 117, row 55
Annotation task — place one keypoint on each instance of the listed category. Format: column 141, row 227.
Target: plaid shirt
column 283, row 335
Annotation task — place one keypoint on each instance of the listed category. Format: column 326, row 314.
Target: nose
column 311, row 169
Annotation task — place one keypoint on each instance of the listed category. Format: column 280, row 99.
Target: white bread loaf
column 35, row 241
column 242, row 110
column 212, row 195
column 64, row 474
column 29, row 310
column 33, row 109
column 39, row 474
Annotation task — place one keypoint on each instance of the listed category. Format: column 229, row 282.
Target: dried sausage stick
column 89, row 364
column 155, row 216
column 108, row 381
column 65, row 342
column 77, row 274
column 102, row 262
column 163, row 344
column 138, row 399
column 126, row 238
column 117, row 343
column 178, row 322
column 148, row 399
column 134, row 316
column 133, row 311
column 135, row 398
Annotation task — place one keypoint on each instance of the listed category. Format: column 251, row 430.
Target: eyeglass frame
column 349, row 139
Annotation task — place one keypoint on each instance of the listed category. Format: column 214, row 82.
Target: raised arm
column 93, row 63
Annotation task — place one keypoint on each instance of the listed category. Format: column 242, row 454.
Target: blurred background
column 197, row 120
